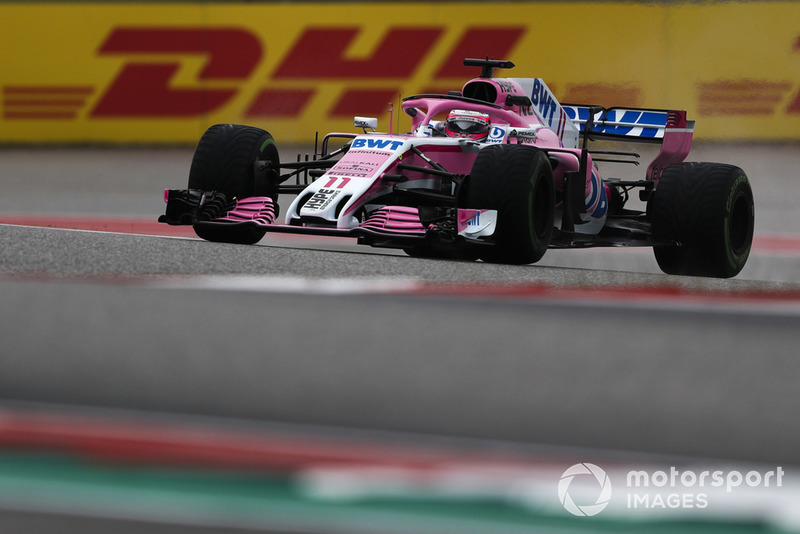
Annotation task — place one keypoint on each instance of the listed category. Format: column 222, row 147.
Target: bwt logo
column 379, row 144
column 544, row 101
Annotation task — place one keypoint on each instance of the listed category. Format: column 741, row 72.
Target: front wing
column 388, row 226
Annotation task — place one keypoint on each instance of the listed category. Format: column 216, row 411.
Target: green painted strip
column 51, row 483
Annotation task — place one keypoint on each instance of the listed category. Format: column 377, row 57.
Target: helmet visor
column 468, row 126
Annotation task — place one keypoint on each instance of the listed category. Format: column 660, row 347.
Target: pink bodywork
column 509, row 107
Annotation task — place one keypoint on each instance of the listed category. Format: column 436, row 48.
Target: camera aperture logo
column 585, row 489
column 603, row 490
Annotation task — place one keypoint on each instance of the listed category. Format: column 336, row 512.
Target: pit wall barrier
column 162, row 73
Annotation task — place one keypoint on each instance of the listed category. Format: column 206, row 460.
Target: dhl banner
column 162, row 73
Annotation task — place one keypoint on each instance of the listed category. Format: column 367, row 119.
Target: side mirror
column 366, row 122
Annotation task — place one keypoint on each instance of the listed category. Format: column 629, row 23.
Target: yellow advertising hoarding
column 162, row 73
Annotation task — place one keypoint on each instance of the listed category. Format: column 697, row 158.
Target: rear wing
column 669, row 128
column 631, row 124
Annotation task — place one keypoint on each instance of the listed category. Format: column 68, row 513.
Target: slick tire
column 517, row 181
column 707, row 211
column 225, row 161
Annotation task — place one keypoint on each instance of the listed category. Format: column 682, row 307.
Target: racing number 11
column 334, row 179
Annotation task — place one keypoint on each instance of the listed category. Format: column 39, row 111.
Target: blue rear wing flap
column 632, row 124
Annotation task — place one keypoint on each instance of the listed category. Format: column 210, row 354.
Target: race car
column 499, row 171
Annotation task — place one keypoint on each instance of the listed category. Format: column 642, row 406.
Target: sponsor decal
column 361, row 122
column 551, row 113
column 476, row 223
column 496, row 135
column 378, row 143
column 506, row 86
column 355, row 170
column 321, row 199
column 544, row 101
column 624, row 122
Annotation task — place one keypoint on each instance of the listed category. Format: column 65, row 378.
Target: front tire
column 225, row 161
column 517, row 181
column 707, row 209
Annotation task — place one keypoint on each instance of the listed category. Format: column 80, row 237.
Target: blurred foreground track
column 99, row 470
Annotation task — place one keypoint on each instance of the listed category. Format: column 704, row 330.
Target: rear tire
column 224, row 161
column 517, row 181
column 708, row 209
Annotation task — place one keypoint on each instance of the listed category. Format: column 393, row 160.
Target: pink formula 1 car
column 499, row 171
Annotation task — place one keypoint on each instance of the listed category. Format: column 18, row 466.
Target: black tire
column 224, row 161
column 708, row 209
column 517, row 181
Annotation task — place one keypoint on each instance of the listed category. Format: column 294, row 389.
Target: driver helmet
column 471, row 124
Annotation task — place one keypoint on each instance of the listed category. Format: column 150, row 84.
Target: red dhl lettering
column 397, row 56
column 740, row 97
column 794, row 107
column 54, row 102
column 142, row 87
column 478, row 42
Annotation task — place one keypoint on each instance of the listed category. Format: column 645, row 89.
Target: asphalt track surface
column 592, row 349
